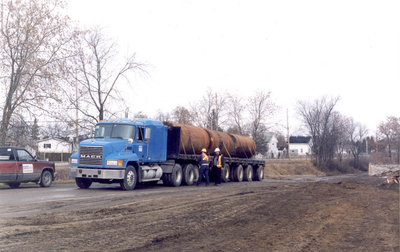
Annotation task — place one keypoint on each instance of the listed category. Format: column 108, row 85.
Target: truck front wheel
column 130, row 179
column 83, row 183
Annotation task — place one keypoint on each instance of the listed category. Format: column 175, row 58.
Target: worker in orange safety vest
column 218, row 165
column 204, row 167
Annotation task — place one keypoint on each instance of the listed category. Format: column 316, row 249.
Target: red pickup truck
column 18, row 166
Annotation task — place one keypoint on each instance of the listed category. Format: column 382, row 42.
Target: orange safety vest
column 204, row 157
column 219, row 161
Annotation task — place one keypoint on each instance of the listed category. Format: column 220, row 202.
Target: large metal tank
column 193, row 139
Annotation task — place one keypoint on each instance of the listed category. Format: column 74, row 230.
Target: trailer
column 135, row 151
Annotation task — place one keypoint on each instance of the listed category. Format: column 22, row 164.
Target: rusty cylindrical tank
column 193, row 139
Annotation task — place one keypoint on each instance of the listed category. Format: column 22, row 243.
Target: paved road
column 30, row 199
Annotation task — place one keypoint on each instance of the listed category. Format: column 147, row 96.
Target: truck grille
column 91, row 155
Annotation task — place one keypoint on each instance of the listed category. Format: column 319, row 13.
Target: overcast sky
column 298, row 50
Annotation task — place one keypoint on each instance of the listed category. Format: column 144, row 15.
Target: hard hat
column 217, row 149
column 203, row 150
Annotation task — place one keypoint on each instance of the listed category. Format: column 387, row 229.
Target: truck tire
column 46, row 178
column 14, row 185
column 83, row 183
column 225, row 173
column 165, row 179
column 259, row 173
column 195, row 173
column 175, row 177
column 188, row 174
column 248, row 173
column 238, row 173
column 130, row 179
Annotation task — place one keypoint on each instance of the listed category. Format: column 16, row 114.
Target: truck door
column 8, row 166
column 28, row 169
column 143, row 137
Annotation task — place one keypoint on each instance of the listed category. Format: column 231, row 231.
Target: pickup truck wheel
column 83, row 183
column 130, row 179
column 225, row 173
column 176, row 176
column 238, row 173
column 46, row 178
column 259, row 173
column 188, row 174
column 14, row 185
column 248, row 173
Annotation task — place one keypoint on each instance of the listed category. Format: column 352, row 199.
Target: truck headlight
column 114, row 162
column 73, row 160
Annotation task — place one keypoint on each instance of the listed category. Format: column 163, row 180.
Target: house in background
column 300, row 145
column 54, row 149
column 272, row 143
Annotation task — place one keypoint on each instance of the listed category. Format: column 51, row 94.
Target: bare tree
column 163, row 117
column 319, row 120
column 182, row 115
column 34, row 38
column 236, row 111
column 96, row 76
column 261, row 109
column 389, row 131
column 210, row 111
column 357, row 134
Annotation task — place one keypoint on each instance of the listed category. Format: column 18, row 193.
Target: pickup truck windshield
column 120, row 131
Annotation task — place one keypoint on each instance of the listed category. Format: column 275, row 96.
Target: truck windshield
column 120, row 131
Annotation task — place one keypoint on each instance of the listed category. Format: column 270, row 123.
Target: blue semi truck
column 131, row 151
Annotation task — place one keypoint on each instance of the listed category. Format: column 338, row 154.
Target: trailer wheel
column 259, row 173
column 130, row 179
column 188, row 174
column 175, row 177
column 14, row 185
column 46, row 178
column 195, row 173
column 225, row 173
column 248, row 173
column 83, row 183
column 238, row 173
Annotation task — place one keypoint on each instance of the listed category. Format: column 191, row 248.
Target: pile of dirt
column 290, row 168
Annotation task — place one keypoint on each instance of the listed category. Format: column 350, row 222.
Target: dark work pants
column 203, row 170
column 217, row 175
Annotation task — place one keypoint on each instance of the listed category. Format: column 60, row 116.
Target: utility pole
column 288, row 135
column 76, row 117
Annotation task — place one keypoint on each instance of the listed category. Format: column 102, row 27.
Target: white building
column 54, row 145
column 300, row 145
column 272, row 143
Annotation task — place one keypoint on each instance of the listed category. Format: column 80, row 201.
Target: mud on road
column 342, row 213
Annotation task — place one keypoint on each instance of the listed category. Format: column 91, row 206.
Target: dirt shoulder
column 348, row 214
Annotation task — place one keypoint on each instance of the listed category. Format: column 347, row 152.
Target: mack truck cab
column 122, row 151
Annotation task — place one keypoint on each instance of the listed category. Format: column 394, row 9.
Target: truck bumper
column 96, row 173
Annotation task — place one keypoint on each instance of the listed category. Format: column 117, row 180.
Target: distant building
column 54, row 149
column 300, row 145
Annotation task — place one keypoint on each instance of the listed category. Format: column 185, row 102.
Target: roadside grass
column 290, row 168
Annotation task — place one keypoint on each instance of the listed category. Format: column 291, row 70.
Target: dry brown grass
column 290, row 168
